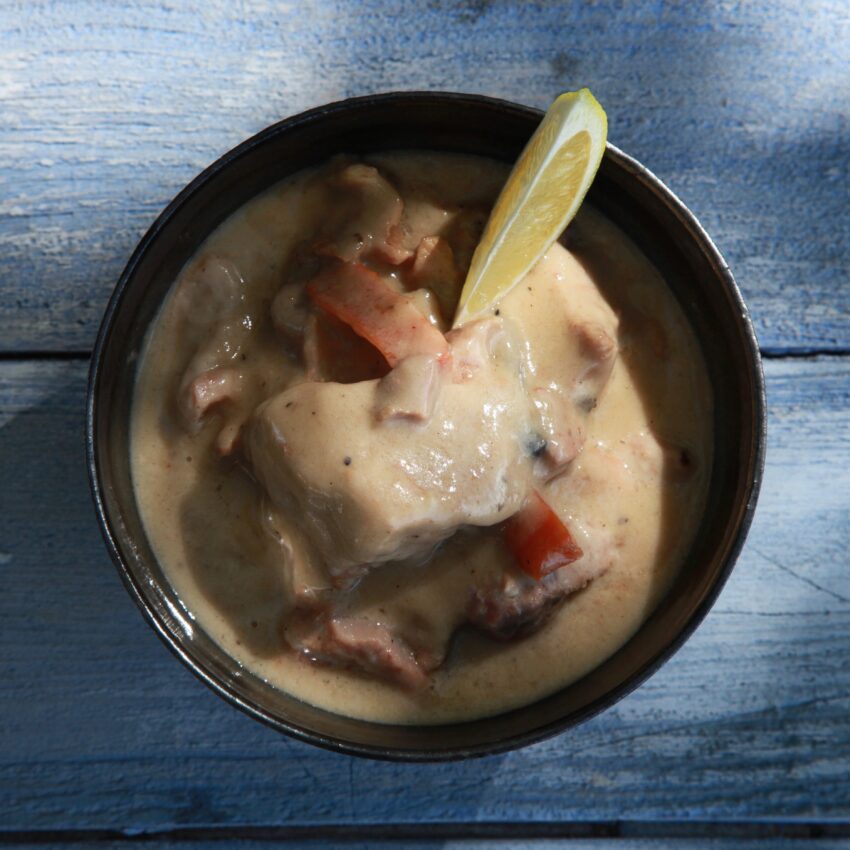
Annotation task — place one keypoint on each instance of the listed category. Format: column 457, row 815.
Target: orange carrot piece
column 374, row 310
column 539, row 540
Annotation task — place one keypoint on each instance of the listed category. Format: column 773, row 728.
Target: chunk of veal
column 289, row 311
column 359, row 643
column 434, row 268
column 364, row 211
column 410, row 390
column 371, row 491
column 212, row 293
column 389, row 319
column 212, row 290
column 208, row 390
column 428, row 305
column 517, row 604
column 568, row 330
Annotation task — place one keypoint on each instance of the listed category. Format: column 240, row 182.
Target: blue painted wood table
column 106, row 110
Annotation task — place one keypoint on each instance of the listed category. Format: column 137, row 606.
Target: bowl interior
column 626, row 194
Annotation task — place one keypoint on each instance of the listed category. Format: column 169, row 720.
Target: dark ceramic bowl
column 625, row 192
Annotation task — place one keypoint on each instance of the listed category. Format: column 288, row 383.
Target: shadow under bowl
column 628, row 195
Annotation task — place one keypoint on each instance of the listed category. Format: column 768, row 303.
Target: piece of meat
column 477, row 344
column 229, row 439
column 322, row 635
column 463, row 233
column 390, row 250
column 364, row 211
column 310, row 593
column 371, row 492
column 434, row 268
column 357, row 643
column 562, row 411
column 289, row 312
column 426, row 303
column 598, row 346
column 518, row 604
column 421, row 217
column 560, row 429
column 212, row 290
column 409, row 391
column 569, row 349
column 206, row 392
column 211, row 295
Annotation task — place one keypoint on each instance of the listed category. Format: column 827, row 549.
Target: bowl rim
column 757, row 400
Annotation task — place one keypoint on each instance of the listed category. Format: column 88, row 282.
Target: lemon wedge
column 540, row 198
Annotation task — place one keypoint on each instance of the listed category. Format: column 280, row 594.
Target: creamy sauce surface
column 631, row 491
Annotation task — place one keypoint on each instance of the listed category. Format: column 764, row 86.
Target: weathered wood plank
column 108, row 109
column 100, row 728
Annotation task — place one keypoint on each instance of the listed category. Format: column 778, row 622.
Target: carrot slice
column 374, row 310
column 539, row 540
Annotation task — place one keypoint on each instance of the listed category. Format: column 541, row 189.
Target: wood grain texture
column 107, row 110
column 100, row 728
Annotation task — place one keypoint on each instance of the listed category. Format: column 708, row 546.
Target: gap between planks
column 16, row 356
column 493, row 831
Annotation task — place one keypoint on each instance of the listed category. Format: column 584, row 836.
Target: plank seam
column 353, row 833
column 14, row 356
column 803, row 353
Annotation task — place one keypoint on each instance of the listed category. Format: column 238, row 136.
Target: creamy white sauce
column 624, row 497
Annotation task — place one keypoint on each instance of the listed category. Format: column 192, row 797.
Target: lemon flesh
column 540, row 198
